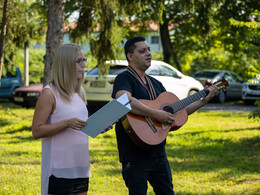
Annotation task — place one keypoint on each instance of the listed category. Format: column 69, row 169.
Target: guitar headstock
column 221, row 85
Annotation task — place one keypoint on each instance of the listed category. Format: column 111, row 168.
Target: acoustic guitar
column 146, row 132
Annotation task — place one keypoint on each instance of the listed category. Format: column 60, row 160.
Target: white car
column 99, row 88
column 251, row 91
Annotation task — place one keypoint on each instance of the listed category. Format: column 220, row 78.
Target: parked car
column 27, row 96
column 251, row 90
column 99, row 88
column 233, row 92
column 9, row 82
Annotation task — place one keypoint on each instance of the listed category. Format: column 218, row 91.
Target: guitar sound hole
column 168, row 109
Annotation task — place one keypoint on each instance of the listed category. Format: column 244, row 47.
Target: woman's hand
column 76, row 123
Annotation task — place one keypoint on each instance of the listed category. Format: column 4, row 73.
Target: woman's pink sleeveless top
column 66, row 154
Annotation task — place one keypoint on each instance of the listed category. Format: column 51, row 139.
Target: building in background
column 153, row 39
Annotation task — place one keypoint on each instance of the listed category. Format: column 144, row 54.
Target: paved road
column 230, row 106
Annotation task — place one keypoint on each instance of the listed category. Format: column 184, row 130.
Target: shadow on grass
column 183, row 192
column 19, row 139
column 22, row 158
column 5, row 103
column 23, row 128
column 4, row 122
column 239, row 157
column 192, row 133
column 217, row 113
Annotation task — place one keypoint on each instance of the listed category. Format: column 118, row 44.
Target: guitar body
column 146, row 134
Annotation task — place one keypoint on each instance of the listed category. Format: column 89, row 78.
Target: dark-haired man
column 140, row 165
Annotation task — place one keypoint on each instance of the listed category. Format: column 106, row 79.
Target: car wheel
column 222, row 98
column 191, row 92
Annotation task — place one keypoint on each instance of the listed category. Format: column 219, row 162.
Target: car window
column 228, row 77
column 153, row 70
column 165, row 71
column 94, row 71
column 206, row 74
column 236, row 78
column 9, row 75
column 114, row 70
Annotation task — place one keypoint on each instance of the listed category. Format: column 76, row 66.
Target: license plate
column 98, row 84
column 18, row 99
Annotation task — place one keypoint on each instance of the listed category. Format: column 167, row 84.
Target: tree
column 229, row 45
column 55, row 33
column 20, row 30
column 2, row 37
column 179, row 21
column 238, row 23
column 198, row 36
column 168, row 50
column 251, row 41
column 109, row 18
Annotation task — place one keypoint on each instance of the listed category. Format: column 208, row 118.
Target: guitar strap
column 150, row 89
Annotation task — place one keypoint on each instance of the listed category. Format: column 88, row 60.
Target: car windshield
column 114, row 70
column 207, row 74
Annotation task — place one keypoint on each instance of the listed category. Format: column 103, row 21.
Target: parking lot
column 237, row 106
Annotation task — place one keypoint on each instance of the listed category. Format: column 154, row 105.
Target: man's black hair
column 130, row 44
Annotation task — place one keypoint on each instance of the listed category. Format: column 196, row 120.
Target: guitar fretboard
column 188, row 100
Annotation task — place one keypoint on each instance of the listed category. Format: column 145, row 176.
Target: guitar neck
column 189, row 100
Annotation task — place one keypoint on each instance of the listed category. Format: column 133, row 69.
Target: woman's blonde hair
column 63, row 73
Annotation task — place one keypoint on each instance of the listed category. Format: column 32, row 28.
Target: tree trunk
column 55, row 33
column 26, row 66
column 166, row 42
column 2, row 37
column 168, row 51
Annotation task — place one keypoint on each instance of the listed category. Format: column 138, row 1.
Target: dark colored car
column 9, row 82
column 233, row 92
column 27, row 96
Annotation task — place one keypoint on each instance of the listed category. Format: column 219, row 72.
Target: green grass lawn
column 213, row 153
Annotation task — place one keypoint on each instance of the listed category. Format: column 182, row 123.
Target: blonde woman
column 59, row 115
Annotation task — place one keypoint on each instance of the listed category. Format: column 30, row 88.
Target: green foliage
column 157, row 55
column 251, row 43
column 204, row 37
column 24, row 26
column 110, row 19
column 36, row 63
column 217, row 58
column 238, row 30
column 213, row 153
column 204, row 34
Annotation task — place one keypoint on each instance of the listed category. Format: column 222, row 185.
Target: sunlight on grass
column 213, row 153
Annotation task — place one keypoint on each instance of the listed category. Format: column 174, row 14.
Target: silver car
column 233, row 92
column 99, row 89
column 251, row 90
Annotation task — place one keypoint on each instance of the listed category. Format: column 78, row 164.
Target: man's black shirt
column 128, row 151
